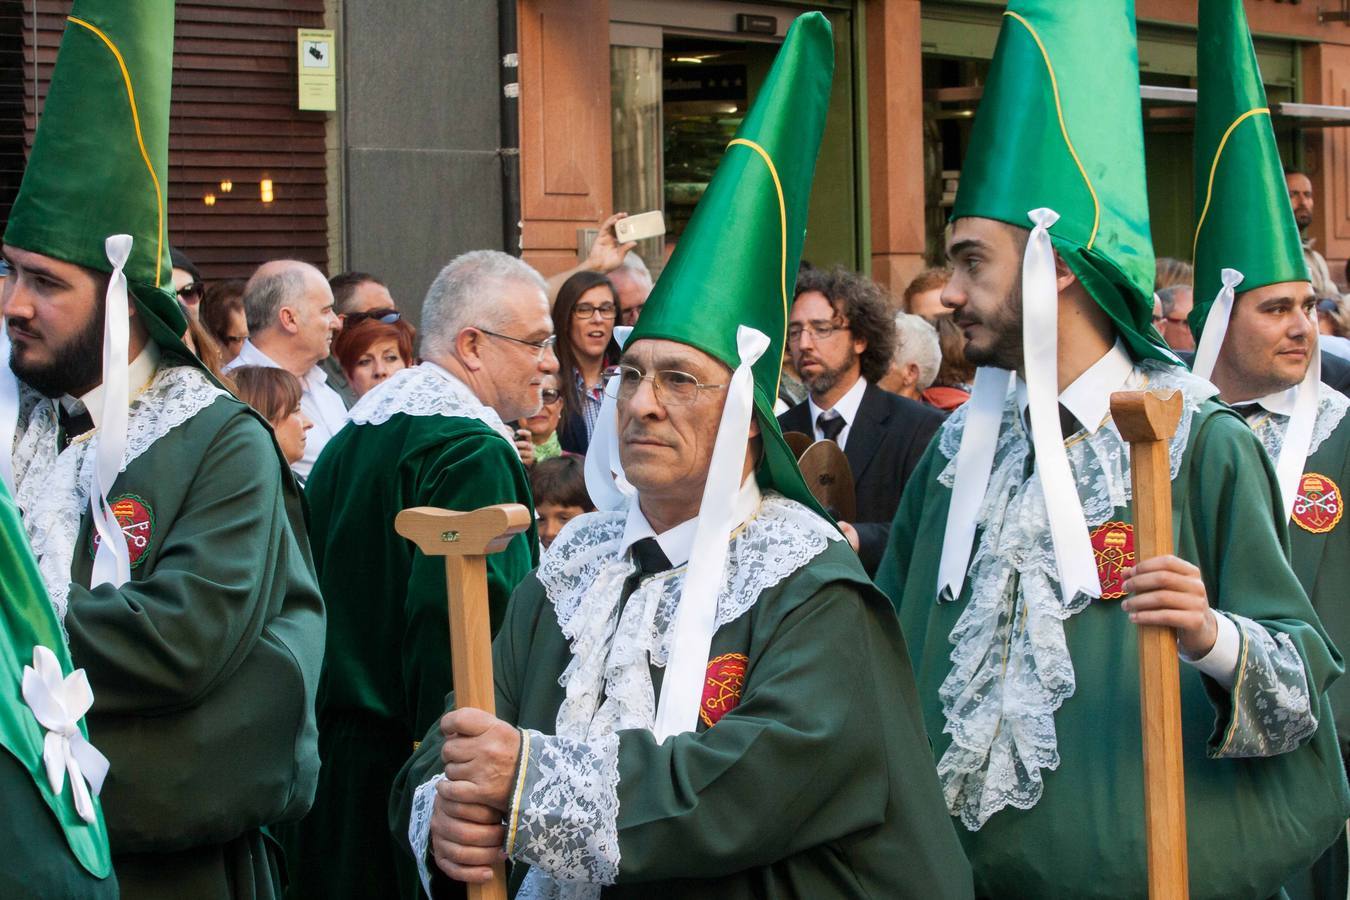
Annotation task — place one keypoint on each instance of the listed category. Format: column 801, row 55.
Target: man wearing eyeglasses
column 1174, row 303
column 431, row 435
column 700, row 692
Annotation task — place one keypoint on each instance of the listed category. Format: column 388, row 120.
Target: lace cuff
column 419, row 828
column 565, row 812
column 1270, row 707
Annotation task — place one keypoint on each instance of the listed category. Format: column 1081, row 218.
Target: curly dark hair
column 864, row 306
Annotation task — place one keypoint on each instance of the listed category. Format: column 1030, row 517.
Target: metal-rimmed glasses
column 671, row 386
column 820, row 329
column 543, row 347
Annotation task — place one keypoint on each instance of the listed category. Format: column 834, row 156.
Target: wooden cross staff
column 465, row 539
column 1148, row 420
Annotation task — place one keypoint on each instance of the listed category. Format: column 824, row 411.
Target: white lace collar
column 425, row 390
column 613, row 649
column 52, row 488
column 1271, row 421
column 677, row 543
column 1011, row 668
column 1089, row 396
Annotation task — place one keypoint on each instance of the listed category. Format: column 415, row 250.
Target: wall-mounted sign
column 317, row 68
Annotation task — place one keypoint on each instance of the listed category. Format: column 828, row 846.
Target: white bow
column 58, row 703
column 1216, row 325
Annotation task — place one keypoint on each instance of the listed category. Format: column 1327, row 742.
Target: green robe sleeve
column 894, row 568
column 796, row 765
column 1286, row 661
column 165, row 642
column 471, row 473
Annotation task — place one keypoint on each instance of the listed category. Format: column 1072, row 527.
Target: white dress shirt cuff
column 1220, row 663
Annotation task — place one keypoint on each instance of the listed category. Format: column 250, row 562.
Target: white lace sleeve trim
column 425, row 390
column 1011, row 668
column 52, row 489
column 567, row 821
column 1272, row 709
column 419, row 828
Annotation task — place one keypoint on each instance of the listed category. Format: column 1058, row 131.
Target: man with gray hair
column 432, row 435
column 916, row 360
column 632, row 284
column 291, row 324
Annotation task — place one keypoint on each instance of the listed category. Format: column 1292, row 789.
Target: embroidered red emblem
column 1319, row 505
column 722, row 687
column 138, row 523
column 1113, row 550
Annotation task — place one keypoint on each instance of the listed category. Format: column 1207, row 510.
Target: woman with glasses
column 373, row 346
column 583, row 320
column 542, row 427
column 222, row 314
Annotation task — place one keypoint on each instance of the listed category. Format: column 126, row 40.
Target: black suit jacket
column 885, row 442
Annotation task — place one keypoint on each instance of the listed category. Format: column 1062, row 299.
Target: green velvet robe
column 388, row 664
column 818, row 784
column 1252, row 820
column 205, row 665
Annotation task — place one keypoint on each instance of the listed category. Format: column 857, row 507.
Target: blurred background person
column 923, row 295
column 559, row 489
column 1169, row 271
column 632, row 284
column 200, row 342
column 275, row 394
column 955, row 373
column 355, row 292
column 583, row 319
column 1174, row 303
column 917, row 357
column 541, row 429
column 222, row 314
column 1333, row 325
column 371, row 350
column 1300, row 190
column 187, row 282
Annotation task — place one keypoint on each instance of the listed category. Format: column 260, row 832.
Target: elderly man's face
column 666, row 446
column 1270, row 341
column 54, row 314
column 316, row 323
column 516, row 370
column 632, row 289
column 1174, row 328
column 985, row 291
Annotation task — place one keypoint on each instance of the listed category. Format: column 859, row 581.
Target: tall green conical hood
column 27, row 620
column 100, row 159
column 1244, row 220
column 736, row 262
column 1060, row 126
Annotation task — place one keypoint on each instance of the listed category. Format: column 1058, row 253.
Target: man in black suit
column 841, row 335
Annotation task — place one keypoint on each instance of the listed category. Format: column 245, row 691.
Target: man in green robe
column 50, row 814
column 433, row 435
column 167, row 529
column 1012, row 560
column 700, row 692
column 1255, row 325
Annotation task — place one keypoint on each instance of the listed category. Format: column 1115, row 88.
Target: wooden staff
column 465, row 539
column 1148, row 421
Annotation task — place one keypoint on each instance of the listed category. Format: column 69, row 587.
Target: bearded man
column 841, row 338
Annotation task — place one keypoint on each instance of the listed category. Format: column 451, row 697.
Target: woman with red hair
column 373, row 346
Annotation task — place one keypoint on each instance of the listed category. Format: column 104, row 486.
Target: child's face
column 551, row 519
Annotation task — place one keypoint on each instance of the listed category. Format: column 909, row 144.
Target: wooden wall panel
column 234, row 118
column 564, row 126
column 1326, row 79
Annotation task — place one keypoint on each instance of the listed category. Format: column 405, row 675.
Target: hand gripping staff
column 465, row 539
column 1148, row 420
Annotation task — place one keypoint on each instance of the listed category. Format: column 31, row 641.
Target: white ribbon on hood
column 1040, row 348
column 58, row 703
column 112, row 562
column 1216, row 325
column 605, row 482
column 9, row 410
column 696, row 614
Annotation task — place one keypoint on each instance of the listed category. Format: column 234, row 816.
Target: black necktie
column 649, row 557
column 72, row 424
column 830, row 424
column 1068, row 422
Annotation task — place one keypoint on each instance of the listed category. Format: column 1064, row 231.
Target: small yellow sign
column 317, row 68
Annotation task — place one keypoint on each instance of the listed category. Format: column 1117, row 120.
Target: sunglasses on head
column 386, row 316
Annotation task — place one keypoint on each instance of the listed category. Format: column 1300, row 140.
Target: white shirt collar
column 677, row 542
column 139, row 373
column 1281, row 402
column 250, row 355
column 1089, row 396
column 847, row 405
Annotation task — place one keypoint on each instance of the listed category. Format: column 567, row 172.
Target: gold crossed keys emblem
column 1319, row 505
